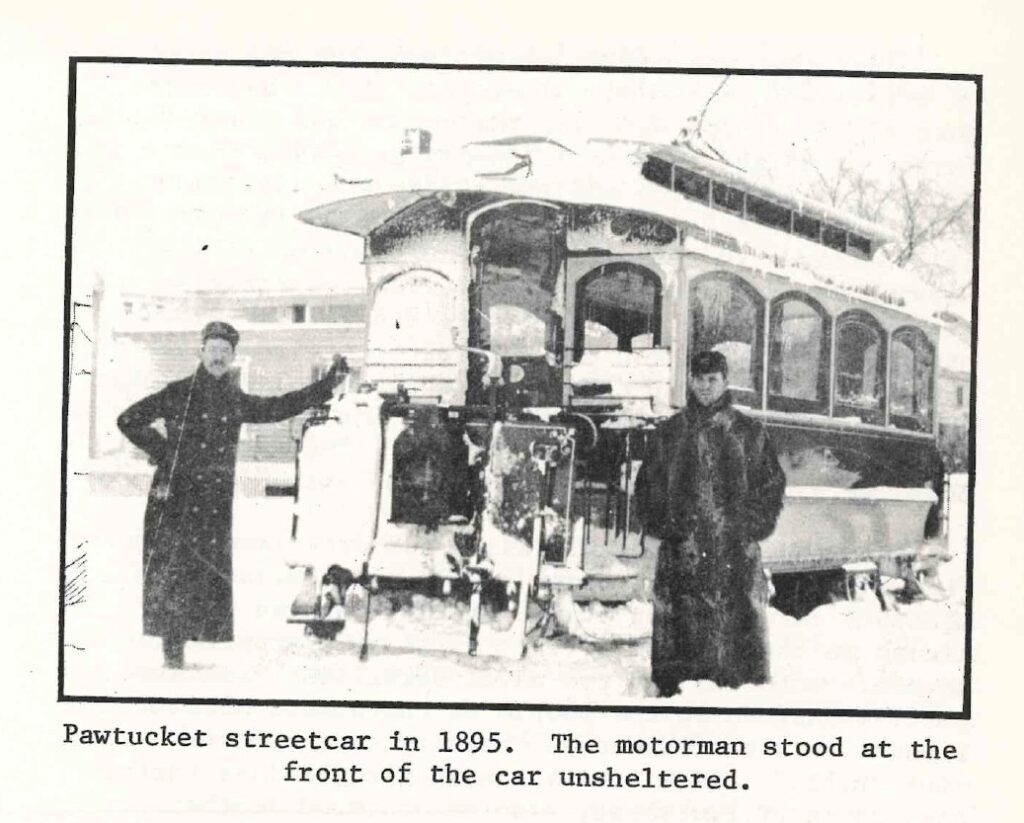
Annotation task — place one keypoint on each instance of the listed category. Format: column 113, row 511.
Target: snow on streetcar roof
column 607, row 173
column 486, row 162
column 723, row 172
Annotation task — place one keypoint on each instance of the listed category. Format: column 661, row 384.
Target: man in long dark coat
column 187, row 580
column 710, row 487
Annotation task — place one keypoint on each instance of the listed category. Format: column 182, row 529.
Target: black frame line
column 964, row 714
column 972, row 434
column 66, row 399
column 513, row 707
column 523, row 67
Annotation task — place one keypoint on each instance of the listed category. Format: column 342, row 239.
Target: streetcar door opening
column 516, row 302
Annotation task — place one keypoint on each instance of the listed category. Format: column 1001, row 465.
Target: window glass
column 798, row 354
column 858, row 246
column 806, row 226
column 598, row 336
column 767, row 213
column 726, row 316
column 518, row 294
column 515, row 331
column 618, row 307
column 726, row 197
column 912, row 368
column 694, row 186
column 860, row 369
column 834, row 237
column 516, row 302
column 413, row 311
column 658, row 171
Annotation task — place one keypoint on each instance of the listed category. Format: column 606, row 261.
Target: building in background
column 954, row 396
column 142, row 341
column 415, row 141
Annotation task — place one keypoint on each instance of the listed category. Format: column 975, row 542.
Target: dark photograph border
column 69, row 320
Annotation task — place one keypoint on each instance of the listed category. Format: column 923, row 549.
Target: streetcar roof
column 601, row 172
column 608, row 173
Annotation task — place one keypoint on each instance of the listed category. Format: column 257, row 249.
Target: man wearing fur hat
column 187, row 579
column 710, row 488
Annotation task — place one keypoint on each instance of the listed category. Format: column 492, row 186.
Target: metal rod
column 474, row 611
column 364, row 651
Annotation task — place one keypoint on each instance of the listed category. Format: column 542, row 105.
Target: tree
column 933, row 226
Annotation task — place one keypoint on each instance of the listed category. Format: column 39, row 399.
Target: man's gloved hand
column 339, row 369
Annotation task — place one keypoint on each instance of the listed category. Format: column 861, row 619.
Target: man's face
column 707, row 388
column 217, row 356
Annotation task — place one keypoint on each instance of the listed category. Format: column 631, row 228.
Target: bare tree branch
column 908, row 200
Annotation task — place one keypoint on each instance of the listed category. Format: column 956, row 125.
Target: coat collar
column 207, row 381
column 699, row 415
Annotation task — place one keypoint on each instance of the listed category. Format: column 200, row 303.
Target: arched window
column 727, row 315
column 860, row 367
column 414, row 310
column 798, row 354
column 912, row 385
column 618, row 306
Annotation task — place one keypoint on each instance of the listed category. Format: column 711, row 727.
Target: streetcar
column 531, row 308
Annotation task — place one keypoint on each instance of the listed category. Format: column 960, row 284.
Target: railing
column 643, row 377
column 432, row 373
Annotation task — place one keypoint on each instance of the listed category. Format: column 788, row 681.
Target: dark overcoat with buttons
column 186, row 555
column 711, row 487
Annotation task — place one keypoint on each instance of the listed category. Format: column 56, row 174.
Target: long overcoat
column 186, row 555
column 710, row 487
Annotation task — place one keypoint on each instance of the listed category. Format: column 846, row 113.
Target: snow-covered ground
column 848, row 655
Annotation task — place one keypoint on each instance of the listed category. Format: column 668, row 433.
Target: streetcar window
column 913, row 360
column 768, row 213
column 798, row 355
column 694, row 186
column 858, row 246
column 697, row 186
column 412, row 311
column 727, row 315
column 516, row 302
column 833, row 237
column 806, row 226
column 727, row 198
column 518, row 263
column 657, row 171
column 618, row 306
column 860, row 368
column 516, row 331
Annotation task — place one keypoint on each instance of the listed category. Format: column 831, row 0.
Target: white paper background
column 41, row 779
